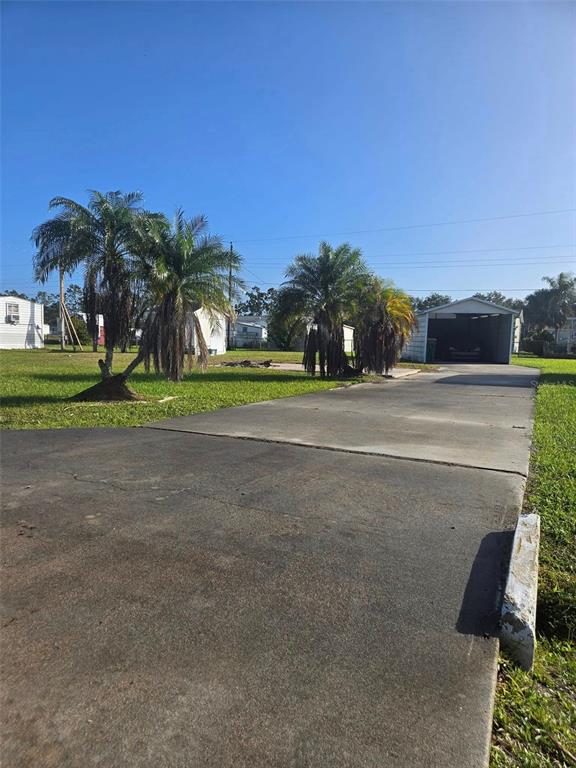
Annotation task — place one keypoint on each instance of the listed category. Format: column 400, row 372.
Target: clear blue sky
column 282, row 119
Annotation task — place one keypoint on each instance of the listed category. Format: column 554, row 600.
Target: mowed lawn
column 35, row 387
column 535, row 713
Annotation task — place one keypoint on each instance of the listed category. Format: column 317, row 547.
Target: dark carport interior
column 470, row 337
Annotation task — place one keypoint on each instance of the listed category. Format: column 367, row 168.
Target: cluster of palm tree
column 139, row 269
column 336, row 287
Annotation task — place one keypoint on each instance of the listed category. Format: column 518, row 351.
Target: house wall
column 415, row 349
column 28, row 333
column 348, row 339
column 517, row 334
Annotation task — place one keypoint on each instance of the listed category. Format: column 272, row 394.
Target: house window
column 12, row 313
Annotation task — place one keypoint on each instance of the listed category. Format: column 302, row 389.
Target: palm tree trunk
column 112, row 388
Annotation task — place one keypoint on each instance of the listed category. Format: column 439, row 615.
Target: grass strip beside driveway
column 535, row 713
column 35, row 386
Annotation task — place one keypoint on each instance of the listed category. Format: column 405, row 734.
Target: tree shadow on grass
column 234, row 374
column 14, row 401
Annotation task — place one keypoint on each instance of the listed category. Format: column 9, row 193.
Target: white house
column 213, row 330
column 21, row 323
column 250, row 331
column 467, row 330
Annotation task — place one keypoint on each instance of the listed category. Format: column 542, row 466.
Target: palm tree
column 551, row 306
column 321, row 290
column 563, row 297
column 184, row 271
column 383, row 323
column 100, row 235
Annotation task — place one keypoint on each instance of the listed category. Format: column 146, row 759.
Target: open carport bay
column 473, row 336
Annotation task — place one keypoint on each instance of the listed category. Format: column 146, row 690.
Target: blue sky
column 287, row 122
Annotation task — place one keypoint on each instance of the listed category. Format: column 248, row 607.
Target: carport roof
column 470, row 300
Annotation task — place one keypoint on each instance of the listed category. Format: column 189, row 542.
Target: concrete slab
column 474, row 415
column 174, row 600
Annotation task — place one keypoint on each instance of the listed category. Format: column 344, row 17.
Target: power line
column 403, row 227
column 267, row 259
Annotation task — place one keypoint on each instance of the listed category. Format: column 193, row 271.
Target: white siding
column 28, row 332
column 348, row 339
column 517, row 334
column 415, row 349
column 214, row 331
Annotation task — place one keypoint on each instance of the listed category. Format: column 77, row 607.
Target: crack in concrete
column 444, row 463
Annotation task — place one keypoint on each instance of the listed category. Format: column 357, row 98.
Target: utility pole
column 61, row 314
column 229, row 334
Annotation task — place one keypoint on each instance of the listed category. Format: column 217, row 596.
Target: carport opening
column 469, row 338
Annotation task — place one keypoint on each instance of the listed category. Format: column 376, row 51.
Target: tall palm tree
column 100, row 235
column 322, row 290
column 383, row 323
column 562, row 297
column 184, row 270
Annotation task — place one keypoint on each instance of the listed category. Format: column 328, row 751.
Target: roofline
column 470, row 298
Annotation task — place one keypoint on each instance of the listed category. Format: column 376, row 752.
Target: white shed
column 467, row 330
column 348, row 331
column 21, row 323
column 214, row 331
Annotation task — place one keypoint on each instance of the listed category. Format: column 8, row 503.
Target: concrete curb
column 518, row 618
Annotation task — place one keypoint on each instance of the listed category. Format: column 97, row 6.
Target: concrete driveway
column 178, row 597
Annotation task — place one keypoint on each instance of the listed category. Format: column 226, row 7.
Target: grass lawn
column 535, row 713
column 35, row 386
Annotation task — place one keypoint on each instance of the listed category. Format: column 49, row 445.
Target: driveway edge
column 518, row 617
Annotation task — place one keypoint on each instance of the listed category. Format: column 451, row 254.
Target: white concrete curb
column 518, row 619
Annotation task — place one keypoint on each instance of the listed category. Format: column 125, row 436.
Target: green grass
column 535, row 713
column 35, row 387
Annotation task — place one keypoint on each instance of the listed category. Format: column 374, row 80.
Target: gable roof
column 452, row 304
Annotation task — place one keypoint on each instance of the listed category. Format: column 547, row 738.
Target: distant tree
column 433, row 300
column 73, row 299
column 81, row 329
column 495, row 297
column 549, row 307
column 256, row 302
column 51, row 303
column 285, row 326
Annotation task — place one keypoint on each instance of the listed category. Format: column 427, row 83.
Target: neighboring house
column 21, row 323
column 467, row 330
column 213, row 330
column 250, row 331
column 55, row 327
